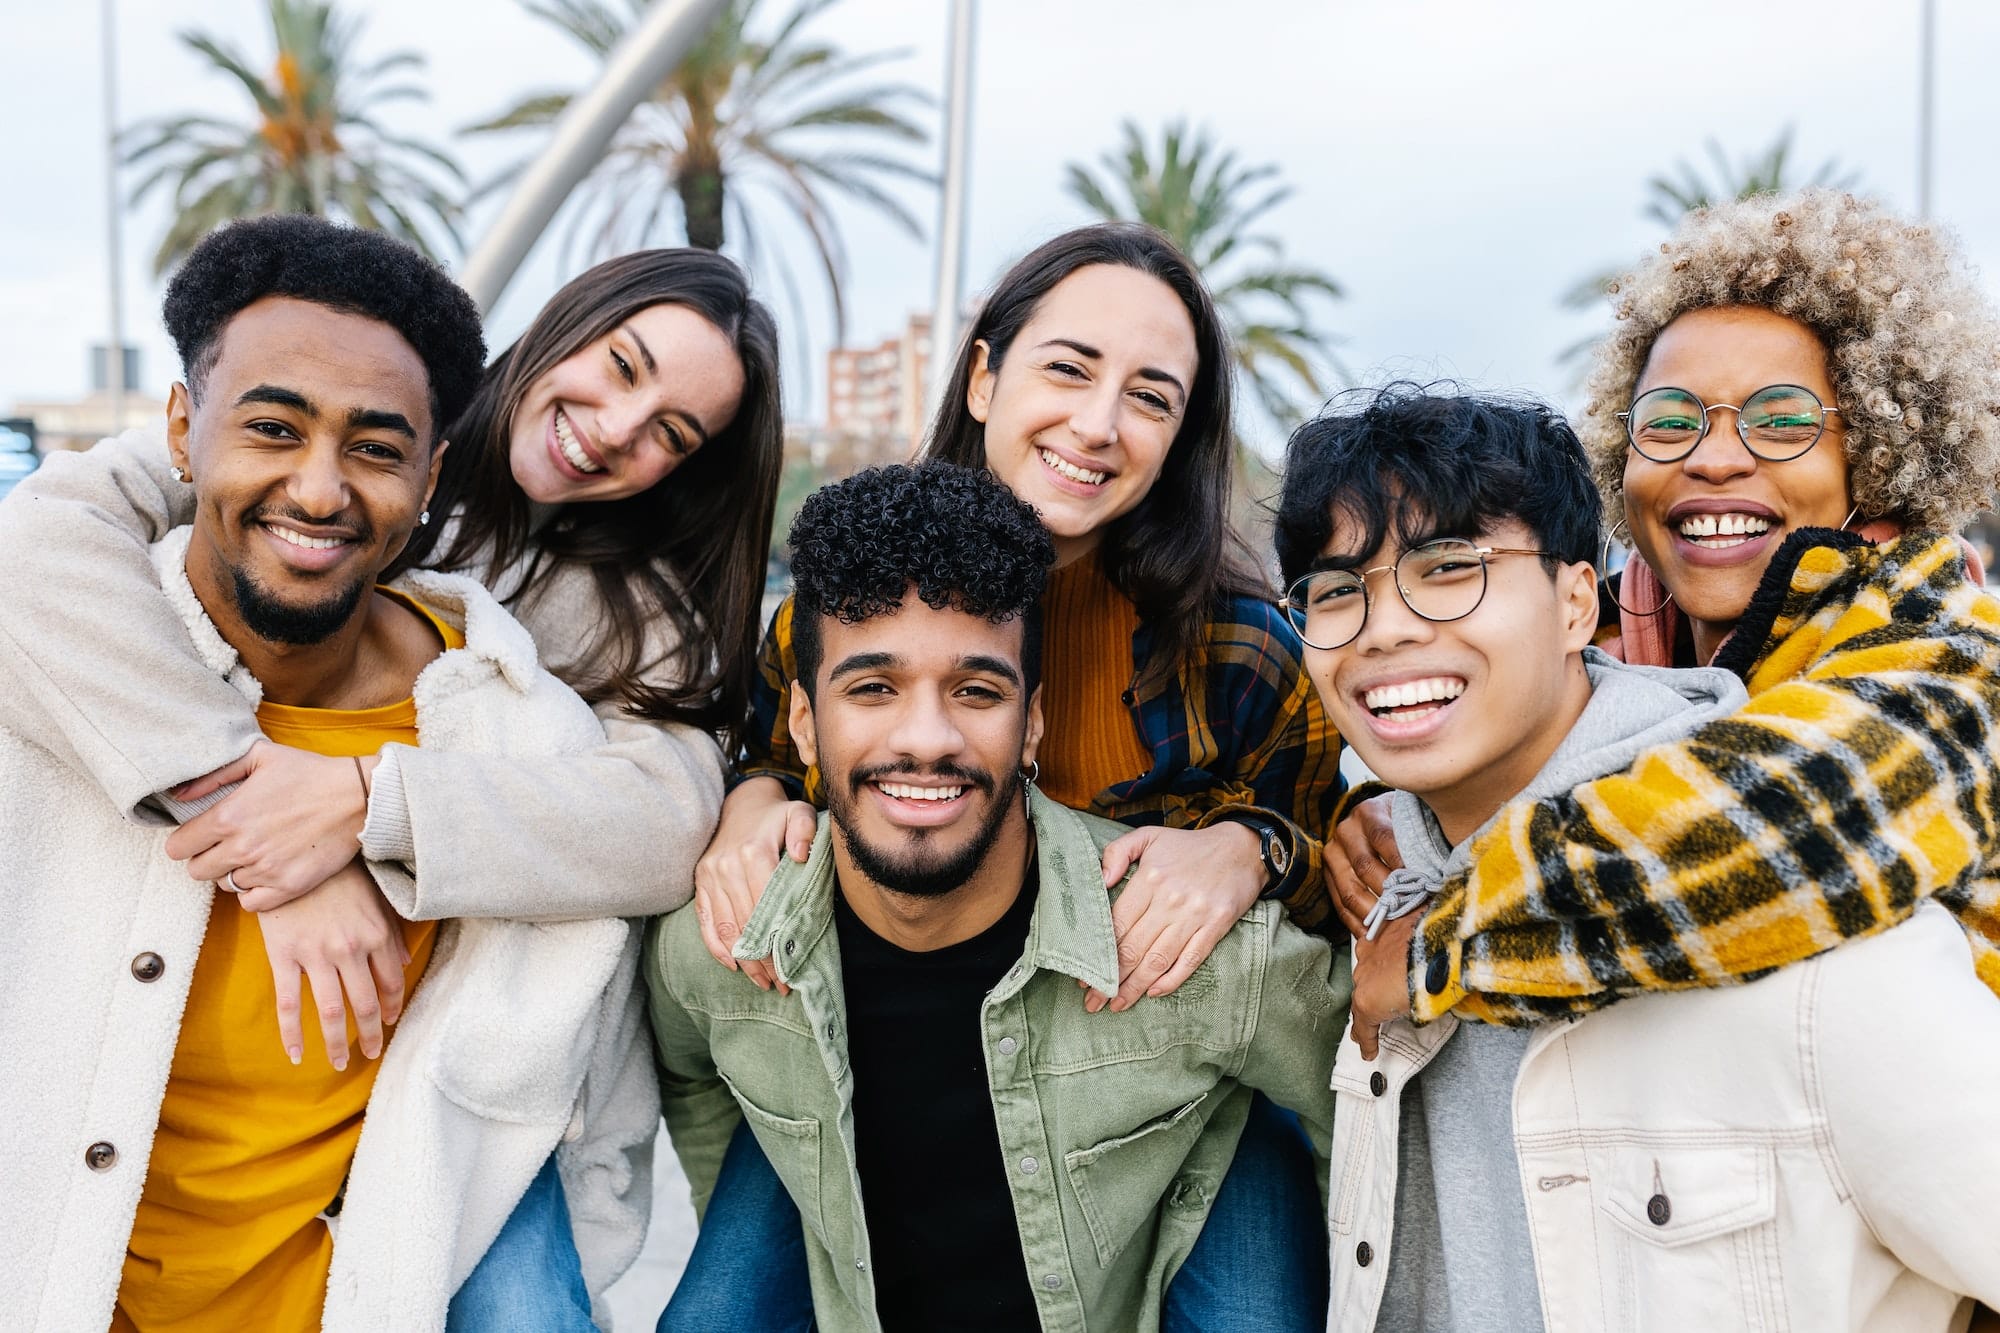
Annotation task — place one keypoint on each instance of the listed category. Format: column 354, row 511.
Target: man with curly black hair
column 968, row 1147
column 177, row 1138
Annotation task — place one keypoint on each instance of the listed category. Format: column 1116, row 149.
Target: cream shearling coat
column 524, row 1038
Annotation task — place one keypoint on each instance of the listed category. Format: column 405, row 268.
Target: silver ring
column 229, row 882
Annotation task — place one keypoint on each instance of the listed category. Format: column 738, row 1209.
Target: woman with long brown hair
column 1095, row 381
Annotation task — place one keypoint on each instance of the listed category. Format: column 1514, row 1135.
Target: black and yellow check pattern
column 1859, row 779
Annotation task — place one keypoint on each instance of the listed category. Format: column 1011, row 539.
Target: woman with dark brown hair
column 1095, row 382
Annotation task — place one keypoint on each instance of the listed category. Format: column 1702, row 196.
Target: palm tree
column 314, row 145
column 782, row 112
column 1207, row 202
column 1669, row 198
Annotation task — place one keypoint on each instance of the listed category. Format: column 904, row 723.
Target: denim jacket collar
column 1070, row 932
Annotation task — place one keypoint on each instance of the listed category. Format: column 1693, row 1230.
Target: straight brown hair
column 1175, row 555
column 692, row 548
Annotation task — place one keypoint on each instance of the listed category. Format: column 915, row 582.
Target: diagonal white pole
column 114, row 214
column 647, row 55
column 952, row 192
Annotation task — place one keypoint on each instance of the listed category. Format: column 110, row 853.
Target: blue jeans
column 530, row 1280
column 748, row 1269
column 1259, row 1266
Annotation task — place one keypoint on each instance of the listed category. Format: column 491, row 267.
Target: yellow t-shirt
column 249, row 1148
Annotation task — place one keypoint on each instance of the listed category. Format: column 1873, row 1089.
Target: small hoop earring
column 424, row 518
column 180, row 475
column 1032, row 773
column 1605, row 565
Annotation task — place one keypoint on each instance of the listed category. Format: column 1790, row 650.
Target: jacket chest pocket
column 1120, row 1182
column 1693, row 1238
column 793, row 1149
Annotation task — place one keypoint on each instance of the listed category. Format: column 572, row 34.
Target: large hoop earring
column 1604, row 563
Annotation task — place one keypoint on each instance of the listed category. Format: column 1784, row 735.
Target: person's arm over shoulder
column 1301, row 1007
column 1285, row 761
column 1858, row 779
column 98, row 664
column 1903, row 1046
column 768, row 751
column 607, row 824
column 701, row 1113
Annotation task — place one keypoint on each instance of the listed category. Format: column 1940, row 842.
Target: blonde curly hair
column 1913, row 346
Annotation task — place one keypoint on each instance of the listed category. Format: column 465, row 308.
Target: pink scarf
column 1648, row 640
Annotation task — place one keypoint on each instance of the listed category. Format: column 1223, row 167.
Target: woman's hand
column 340, row 935
column 1188, row 887
column 295, row 821
column 1357, row 860
column 759, row 824
column 1382, row 980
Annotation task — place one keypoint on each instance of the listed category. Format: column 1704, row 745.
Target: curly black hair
column 343, row 268
column 957, row 534
column 1425, row 460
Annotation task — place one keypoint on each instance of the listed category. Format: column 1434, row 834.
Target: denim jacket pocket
column 1693, row 1233
column 1120, row 1182
column 793, row 1149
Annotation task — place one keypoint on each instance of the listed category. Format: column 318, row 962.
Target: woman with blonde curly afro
column 1799, row 408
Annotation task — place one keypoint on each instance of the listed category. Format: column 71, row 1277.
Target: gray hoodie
column 1456, row 1173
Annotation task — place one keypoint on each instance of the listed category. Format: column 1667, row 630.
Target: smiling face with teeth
column 1080, row 412
column 1709, row 523
column 311, row 453
column 1462, row 713
column 617, row 416
column 920, row 727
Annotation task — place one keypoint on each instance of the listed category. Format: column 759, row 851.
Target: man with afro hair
column 193, row 1084
column 967, row 1147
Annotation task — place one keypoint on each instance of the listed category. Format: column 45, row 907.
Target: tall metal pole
column 647, row 55
column 1926, row 106
column 952, row 191
column 114, row 219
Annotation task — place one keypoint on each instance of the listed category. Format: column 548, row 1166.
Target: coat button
column 100, row 1156
column 791, row 947
column 1377, row 1084
column 1437, row 973
column 148, row 966
column 1053, row 1281
column 1029, row 1166
column 1008, row 1046
column 1364, row 1254
column 1127, row 698
column 1658, row 1211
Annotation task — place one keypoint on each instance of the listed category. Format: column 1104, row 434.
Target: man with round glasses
column 1719, row 1159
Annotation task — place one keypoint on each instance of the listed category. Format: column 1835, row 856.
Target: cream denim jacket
column 1813, row 1152
column 1117, row 1128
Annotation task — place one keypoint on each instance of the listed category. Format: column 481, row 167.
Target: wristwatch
column 1274, row 846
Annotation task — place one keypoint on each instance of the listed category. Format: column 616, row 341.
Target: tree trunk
column 701, row 201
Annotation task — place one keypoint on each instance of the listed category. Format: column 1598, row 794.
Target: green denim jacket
column 1117, row 1128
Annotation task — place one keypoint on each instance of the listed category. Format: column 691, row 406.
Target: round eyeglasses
column 1440, row 580
column 1777, row 423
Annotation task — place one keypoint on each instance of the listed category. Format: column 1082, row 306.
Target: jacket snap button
column 1364, row 1254
column 1658, row 1211
column 1053, row 1281
column 1029, row 1166
column 100, row 1156
column 1437, row 973
column 148, row 966
column 1008, row 1046
column 791, row 947
column 1377, row 1084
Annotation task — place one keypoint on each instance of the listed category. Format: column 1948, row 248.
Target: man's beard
column 276, row 621
column 912, row 872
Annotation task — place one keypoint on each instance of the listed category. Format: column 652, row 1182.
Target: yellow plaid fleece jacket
column 1242, row 733
column 1858, row 779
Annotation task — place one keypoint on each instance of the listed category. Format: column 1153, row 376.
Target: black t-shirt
column 933, row 1182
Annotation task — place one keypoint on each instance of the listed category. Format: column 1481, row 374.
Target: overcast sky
column 1457, row 163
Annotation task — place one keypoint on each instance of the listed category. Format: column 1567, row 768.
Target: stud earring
column 180, row 475
column 424, row 518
